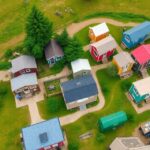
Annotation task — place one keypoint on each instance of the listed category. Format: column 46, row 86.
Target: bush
column 131, row 117
column 8, row 53
column 100, row 137
column 125, row 85
column 5, row 65
column 112, row 70
column 73, row 146
column 3, row 91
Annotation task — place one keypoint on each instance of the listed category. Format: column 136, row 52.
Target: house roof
column 79, row 88
column 142, row 53
column 80, row 64
column 143, row 86
column 23, row 62
column 145, row 127
column 139, row 31
column 105, row 45
column 123, row 59
column 42, row 134
column 100, row 29
column 23, row 80
column 53, row 49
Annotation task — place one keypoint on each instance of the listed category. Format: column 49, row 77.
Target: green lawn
column 12, row 120
column 53, row 106
column 114, row 91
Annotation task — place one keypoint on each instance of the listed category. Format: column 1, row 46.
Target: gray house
column 53, row 52
column 79, row 92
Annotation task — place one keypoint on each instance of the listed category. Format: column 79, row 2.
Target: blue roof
column 42, row 134
column 139, row 31
column 79, row 88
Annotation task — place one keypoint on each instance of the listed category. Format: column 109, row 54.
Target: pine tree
column 38, row 33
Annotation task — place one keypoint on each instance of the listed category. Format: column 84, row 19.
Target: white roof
column 23, row 62
column 80, row 64
column 23, row 80
column 100, row 29
column 123, row 59
column 105, row 45
column 143, row 86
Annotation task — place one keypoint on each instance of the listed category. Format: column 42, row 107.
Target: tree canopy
column 38, row 32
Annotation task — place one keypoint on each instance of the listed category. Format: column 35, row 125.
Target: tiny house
column 98, row 32
column 140, row 90
column 103, row 49
column 145, row 129
column 136, row 35
column 112, row 121
column 124, row 63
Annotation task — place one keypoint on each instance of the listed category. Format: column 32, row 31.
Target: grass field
column 114, row 91
column 12, row 120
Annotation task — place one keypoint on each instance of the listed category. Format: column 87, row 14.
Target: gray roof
column 53, row 49
column 79, row 88
column 23, row 62
column 23, row 80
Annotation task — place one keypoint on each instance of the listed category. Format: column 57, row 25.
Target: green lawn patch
column 116, row 100
column 53, row 106
column 5, row 65
column 12, row 120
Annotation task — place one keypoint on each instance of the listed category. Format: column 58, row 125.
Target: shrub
column 112, row 70
column 131, row 117
column 100, row 137
column 125, row 85
column 73, row 146
column 5, row 65
column 8, row 53
column 3, row 91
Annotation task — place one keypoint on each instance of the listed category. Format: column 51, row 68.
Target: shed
column 112, row 121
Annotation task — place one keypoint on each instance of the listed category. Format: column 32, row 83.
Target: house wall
column 56, row 58
column 81, row 73
column 24, row 71
column 127, row 42
column 78, row 104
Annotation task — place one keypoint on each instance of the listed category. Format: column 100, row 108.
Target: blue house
column 140, row 90
column 43, row 136
column 136, row 35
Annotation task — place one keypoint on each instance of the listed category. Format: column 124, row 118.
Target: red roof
column 142, row 53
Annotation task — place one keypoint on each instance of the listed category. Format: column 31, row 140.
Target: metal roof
column 100, row 29
column 145, row 127
column 143, row 86
column 104, row 45
column 123, row 59
column 53, row 49
column 79, row 88
column 23, row 80
column 23, row 62
column 80, row 64
column 31, row 134
column 140, row 31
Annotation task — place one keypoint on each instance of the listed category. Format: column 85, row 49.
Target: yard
column 114, row 91
column 12, row 120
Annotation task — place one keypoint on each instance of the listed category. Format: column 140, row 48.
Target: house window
column 95, row 53
column 127, row 39
column 136, row 92
column 52, row 60
column 58, row 58
column 28, row 70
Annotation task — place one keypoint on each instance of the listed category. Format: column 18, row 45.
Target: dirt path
column 4, row 76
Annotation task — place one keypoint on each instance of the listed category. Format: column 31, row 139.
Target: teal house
column 140, row 90
column 112, row 121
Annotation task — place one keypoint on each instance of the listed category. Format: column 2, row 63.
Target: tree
column 38, row 33
column 73, row 50
column 63, row 38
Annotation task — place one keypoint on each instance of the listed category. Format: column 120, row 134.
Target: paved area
column 4, row 76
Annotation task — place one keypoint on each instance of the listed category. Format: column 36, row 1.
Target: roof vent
column 43, row 137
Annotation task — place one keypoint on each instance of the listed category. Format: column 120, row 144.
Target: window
column 95, row 53
column 52, row 60
column 127, row 39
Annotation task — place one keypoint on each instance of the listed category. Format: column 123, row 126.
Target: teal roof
column 112, row 120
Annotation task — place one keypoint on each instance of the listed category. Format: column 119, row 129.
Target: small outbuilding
column 53, row 52
column 112, row 121
column 46, row 135
column 22, row 65
column 80, row 67
column 145, row 128
column 136, row 35
column 98, row 32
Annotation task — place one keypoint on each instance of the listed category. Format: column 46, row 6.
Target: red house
column 22, row 65
column 103, row 49
column 141, row 55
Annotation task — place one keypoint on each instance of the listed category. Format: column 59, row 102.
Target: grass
column 55, row 83
column 114, row 92
column 5, row 65
column 12, row 120
column 53, row 106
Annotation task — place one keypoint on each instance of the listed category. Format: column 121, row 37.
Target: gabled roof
column 123, row 59
column 142, row 53
column 143, row 86
column 105, row 44
column 79, row 88
column 100, row 29
column 53, row 49
column 23, row 80
column 23, row 62
column 42, row 134
column 80, row 64
column 139, row 31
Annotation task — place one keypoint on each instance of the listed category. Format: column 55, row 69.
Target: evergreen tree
column 39, row 32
